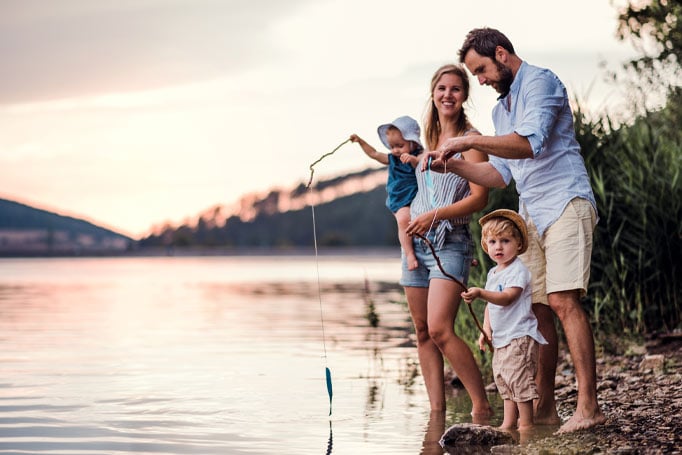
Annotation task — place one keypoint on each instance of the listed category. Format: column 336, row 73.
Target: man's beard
column 506, row 78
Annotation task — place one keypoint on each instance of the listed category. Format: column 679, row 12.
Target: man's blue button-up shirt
column 537, row 108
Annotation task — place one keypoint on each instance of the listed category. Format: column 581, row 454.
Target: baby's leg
column 402, row 216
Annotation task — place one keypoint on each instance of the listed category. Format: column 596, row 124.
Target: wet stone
column 470, row 437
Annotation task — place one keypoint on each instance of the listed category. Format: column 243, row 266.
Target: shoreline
column 385, row 252
column 639, row 391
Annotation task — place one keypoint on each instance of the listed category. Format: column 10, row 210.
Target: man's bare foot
column 545, row 415
column 579, row 422
column 412, row 262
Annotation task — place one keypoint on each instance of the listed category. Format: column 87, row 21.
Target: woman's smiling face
column 448, row 95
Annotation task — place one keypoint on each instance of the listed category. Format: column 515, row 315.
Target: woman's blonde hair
column 432, row 126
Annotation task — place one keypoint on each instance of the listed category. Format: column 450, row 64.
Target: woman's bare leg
column 430, row 358
column 443, row 303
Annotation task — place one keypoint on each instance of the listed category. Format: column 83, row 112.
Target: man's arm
column 510, row 146
column 481, row 173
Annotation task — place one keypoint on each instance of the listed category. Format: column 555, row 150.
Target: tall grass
column 635, row 174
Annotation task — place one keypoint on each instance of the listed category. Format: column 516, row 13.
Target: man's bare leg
column 566, row 305
column 545, row 406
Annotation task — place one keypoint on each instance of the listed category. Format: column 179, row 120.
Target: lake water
column 211, row 355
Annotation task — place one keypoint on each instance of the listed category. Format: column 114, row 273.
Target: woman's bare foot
column 482, row 416
column 580, row 422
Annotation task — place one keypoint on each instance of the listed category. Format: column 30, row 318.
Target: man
column 535, row 144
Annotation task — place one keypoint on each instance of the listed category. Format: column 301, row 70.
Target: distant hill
column 29, row 231
column 350, row 211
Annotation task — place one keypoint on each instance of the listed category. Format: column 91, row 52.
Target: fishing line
column 327, row 371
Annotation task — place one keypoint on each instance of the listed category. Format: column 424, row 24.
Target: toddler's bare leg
column 511, row 415
column 525, row 414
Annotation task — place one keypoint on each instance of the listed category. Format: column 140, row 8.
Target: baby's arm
column 369, row 150
column 412, row 160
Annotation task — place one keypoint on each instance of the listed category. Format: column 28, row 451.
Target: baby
column 401, row 137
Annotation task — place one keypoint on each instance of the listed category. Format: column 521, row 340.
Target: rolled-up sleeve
column 501, row 166
column 543, row 102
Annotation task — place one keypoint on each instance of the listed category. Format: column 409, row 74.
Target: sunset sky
column 130, row 113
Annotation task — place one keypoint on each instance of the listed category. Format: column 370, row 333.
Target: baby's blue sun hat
column 408, row 127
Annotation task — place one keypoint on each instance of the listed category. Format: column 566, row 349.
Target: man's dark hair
column 484, row 41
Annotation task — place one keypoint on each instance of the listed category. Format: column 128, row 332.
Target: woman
column 441, row 212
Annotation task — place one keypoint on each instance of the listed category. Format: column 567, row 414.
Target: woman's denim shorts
column 455, row 257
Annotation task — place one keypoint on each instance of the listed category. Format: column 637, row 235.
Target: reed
column 635, row 175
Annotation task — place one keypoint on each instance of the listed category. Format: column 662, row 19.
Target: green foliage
column 654, row 28
column 659, row 21
column 466, row 329
column 635, row 174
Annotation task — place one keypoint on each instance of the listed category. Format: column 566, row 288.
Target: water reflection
column 433, row 433
column 211, row 356
column 330, row 441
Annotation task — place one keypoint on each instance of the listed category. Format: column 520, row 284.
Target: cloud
column 68, row 48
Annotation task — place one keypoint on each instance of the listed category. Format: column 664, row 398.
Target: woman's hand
column 421, row 224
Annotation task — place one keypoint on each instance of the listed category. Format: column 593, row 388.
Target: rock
column 606, row 385
column 468, row 437
column 654, row 362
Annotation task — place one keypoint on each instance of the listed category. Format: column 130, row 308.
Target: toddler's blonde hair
column 498, row 226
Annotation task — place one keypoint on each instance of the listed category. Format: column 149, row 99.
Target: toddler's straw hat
column 514, row 218
column 407, row 126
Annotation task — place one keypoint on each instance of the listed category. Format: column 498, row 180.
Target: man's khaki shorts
column 560, row 259
column 514, row 368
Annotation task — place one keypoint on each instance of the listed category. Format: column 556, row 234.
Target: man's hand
column 433, row 162
column 452, row 146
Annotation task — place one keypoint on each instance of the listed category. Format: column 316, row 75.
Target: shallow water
column 210, row 355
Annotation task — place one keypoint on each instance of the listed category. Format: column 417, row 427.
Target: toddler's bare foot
column 580, row 422
column 507, row 426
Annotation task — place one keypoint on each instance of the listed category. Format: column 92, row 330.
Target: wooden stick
column 471, row 310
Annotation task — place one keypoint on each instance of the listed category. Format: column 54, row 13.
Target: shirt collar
column 516, row 83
